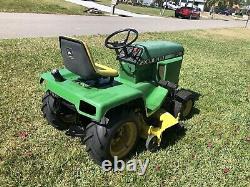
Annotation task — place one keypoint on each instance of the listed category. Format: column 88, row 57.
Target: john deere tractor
column 111, row 110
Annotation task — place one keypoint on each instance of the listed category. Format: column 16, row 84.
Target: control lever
column 57, row 76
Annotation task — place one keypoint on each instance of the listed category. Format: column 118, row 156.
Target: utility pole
column 164, row 5
column 248, row 17
column 113, row 4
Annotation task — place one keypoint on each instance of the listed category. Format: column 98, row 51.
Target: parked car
column 224, row 11
column 187, row 12
column 171, row 5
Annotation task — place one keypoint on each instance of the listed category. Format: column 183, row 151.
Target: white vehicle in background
column 193, row 3
column 172, row 5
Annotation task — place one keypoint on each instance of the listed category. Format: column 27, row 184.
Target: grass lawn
column 41, row 6
column 214, row 151
column 138, row 9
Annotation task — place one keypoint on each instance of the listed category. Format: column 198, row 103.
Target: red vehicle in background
column 187, row 12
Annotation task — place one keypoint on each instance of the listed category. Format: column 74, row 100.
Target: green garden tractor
column 111, row 110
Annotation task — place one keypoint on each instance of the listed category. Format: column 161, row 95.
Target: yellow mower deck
column 166, row 119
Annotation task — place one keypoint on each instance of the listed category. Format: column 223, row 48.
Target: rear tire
column 100, row 140
column 58, row 115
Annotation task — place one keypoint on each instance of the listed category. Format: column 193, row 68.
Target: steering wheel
column 121, row 44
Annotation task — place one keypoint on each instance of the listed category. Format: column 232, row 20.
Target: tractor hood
column 160, row 49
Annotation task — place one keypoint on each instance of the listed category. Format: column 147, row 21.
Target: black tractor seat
column 77, row 59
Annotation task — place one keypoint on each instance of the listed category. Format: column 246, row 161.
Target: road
column 23, row 25
column 92, row 4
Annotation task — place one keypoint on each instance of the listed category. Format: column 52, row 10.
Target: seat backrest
column 77, row 59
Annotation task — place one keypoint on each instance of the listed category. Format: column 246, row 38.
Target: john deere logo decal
column 69, row 53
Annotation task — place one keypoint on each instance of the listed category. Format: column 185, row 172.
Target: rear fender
column 90, row 102
column 136, row 105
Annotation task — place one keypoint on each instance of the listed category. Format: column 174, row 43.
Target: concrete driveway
column 22, row 25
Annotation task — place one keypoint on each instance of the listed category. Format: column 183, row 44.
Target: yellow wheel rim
column 187, row 108
column 123, row 140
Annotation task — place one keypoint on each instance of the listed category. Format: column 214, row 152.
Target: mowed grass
column 214, row 151
column 41, row 6
column 152, row 11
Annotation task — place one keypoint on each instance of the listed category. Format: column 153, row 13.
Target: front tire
column 183, row 103
column 183, row 109
column 117, row 138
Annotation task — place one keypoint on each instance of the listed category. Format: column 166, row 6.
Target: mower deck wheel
column 152, row 143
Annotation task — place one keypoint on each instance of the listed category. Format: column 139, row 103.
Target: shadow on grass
column 195, row 111
column 169, row 137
